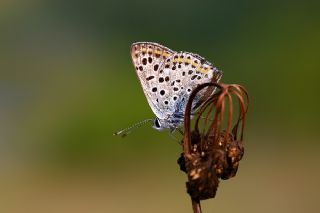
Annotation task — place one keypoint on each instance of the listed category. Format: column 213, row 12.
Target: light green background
column 67, row 83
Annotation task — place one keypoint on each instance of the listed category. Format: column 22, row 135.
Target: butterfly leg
column 202, row 117
column 179, row 130
column 173, row 137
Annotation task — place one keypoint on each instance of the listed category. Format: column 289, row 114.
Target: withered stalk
column 196, row 205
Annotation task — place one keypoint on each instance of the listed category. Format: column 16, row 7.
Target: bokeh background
column 67, row 83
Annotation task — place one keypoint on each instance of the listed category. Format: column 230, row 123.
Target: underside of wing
column 179, row 76
column 148, row 58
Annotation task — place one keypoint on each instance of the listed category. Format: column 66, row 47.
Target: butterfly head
column 160, row 124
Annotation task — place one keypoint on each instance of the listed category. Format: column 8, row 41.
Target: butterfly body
column 168, row 78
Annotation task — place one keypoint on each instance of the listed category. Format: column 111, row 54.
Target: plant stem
column 196, row 206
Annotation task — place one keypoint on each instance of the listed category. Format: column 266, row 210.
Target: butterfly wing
column 147, row 58
column 182, row 73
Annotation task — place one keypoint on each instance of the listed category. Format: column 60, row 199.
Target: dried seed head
column 214, row 151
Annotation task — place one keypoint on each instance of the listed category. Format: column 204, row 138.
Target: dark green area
column 67, row 82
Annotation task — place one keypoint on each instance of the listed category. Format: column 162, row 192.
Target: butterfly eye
column 157, row 124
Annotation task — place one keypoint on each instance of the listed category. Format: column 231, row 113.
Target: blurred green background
column 67, row 83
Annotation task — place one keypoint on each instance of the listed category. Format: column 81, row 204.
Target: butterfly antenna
column 126, row 131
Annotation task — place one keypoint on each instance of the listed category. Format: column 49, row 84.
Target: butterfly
column 168, row 78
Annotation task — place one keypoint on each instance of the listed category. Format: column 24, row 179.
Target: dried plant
column 213, row 149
